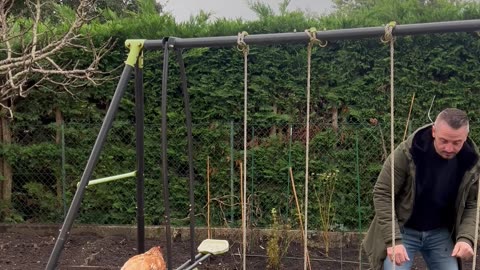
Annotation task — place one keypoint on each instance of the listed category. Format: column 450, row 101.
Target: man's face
column 448, row 141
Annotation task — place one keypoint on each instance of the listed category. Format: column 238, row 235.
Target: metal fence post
column 62, row 129
column 231, row 171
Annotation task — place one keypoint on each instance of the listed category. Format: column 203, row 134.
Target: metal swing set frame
column 134, row 64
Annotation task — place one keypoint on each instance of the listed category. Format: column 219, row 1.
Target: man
column 435, row 184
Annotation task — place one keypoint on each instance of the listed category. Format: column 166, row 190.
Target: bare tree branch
column 31, row 54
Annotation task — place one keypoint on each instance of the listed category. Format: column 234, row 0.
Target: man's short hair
column 455, row 118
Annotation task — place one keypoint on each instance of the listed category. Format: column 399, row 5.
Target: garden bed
column 29, row 247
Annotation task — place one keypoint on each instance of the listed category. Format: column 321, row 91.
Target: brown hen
column 150, row 260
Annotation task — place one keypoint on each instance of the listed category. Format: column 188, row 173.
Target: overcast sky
column 183, row 9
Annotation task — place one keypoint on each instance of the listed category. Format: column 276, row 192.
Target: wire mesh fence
column 48, row 161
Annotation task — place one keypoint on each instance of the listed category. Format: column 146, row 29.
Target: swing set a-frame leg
column 136, row 47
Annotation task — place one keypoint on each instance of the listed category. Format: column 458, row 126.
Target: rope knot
column 241, row 45
column 312, row 34
column 388, row 36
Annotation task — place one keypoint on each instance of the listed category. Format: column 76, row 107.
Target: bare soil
column 92, row 251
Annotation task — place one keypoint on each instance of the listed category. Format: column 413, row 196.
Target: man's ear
column 433, row 131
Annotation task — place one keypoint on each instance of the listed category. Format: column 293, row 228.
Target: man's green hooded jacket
column 379, row 235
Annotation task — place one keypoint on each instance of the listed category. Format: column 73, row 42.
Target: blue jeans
column 436, row 247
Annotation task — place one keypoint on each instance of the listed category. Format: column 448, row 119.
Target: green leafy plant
column 8, row 214
column 43, row 200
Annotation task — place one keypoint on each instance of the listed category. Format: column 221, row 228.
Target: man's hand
column 462, row 250
column 401, row 255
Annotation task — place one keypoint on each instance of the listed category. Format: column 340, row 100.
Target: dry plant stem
column 299, row 212
column 209, row 233
column 384, row 147
column 331, row 189
column 323, row 221
column 408, row 118
column 325, row 207
column 220, row 206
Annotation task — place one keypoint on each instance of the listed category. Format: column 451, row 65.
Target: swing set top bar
column 330, row 35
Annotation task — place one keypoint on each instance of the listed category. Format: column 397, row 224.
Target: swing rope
column 475, row 242
column 312, row 33
column 389, row 38
column 244, row 48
